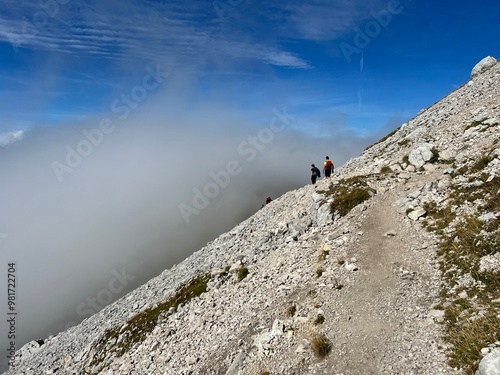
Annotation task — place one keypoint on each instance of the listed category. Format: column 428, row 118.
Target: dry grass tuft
column 321, row 346
column 291, row 311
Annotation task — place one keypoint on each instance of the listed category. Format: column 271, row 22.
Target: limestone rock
column 490, row 364
column 420, row 155
column 483, row 66
column 417, row 214
column 490, row 263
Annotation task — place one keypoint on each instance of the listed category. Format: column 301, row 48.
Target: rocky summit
column 390, row 267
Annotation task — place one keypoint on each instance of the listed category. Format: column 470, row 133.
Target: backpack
column 317, row 172
column 329, row 165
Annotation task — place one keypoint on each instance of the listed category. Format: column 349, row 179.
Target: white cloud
column 280, row 58
column 11, row 137
column 169, row 33
column 322, row 20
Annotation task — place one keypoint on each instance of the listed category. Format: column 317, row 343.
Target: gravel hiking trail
column 383, row 324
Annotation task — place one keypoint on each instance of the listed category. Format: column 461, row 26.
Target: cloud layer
column 128, row 198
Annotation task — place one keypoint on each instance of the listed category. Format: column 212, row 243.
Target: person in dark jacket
column 315, row 173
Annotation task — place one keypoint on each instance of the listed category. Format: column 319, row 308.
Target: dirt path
column 383, row 326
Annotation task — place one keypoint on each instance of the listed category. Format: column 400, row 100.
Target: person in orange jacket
column 328, row 167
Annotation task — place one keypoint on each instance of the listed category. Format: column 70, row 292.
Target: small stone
column 487, row 217
column 437, row 315
column 351, row 267
column 416, row 214
column 327, row 247
column 300, row 349
column 485, row 351
column 191, row 360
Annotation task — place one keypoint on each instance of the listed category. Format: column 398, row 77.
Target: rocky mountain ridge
column 350, row 276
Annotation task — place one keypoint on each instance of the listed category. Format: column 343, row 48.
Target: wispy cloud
column 167, row 32
column 11, row 137
column 328, row 20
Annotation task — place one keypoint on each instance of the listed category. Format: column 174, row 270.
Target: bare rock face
column 483, row 66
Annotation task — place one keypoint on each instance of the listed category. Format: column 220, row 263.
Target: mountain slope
column 351, row 276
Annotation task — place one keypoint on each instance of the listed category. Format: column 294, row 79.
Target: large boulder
column 490, row 364
column 420, row 155
column 483, row 66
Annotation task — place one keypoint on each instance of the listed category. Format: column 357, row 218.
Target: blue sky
column 64, row 61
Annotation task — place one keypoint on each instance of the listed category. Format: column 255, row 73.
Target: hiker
column 315, row 173
column 328, row 167
column 268, row 200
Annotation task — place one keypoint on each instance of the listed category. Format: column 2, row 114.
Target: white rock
column 483, row 66
column 491, row 121
column 351, row 267
column 234, row 369
column 485, row 351
column 490, row 365
column 190, row 360
column 420, row 155
column 490, row 263
column 437, row 315
column 417, row 213
column 487, row 217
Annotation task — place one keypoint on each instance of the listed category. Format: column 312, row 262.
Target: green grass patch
column 242, row 273
column 438, row 218
column 348, row 194
column 319, row 272
column 471, row 323
column 481, row 163
column 385, row 169
column 469, row 337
